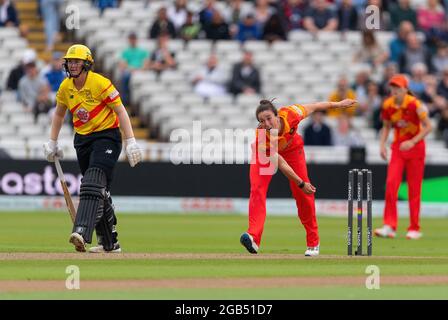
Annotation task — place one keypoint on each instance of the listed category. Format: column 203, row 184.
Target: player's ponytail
column 411, row 93
column 265, row 105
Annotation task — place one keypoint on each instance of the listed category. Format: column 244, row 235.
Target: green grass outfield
column 408, row 269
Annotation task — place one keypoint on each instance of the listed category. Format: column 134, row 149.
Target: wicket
column 359, row 198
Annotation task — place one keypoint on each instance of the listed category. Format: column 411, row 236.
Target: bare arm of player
column 286, row 169
column 133, row 150
column 51, row 148
column 387, row 125
column 57, row 121
column 322, row 106
column 125, row 122
column 426, row 129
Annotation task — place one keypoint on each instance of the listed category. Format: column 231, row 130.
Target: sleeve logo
column 298, row 110
column 113, row 94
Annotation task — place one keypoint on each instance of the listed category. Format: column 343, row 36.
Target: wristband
column 53, row 143
column 130, row 141
column 302, row 184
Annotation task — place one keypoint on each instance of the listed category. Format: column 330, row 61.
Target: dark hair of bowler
column 264, row 106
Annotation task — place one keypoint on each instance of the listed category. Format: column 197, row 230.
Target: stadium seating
column 299, row 70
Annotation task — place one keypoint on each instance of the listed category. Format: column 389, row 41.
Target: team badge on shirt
column 83, row 115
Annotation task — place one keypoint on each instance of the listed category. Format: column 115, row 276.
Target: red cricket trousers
column 259, row 184
column 413, row 162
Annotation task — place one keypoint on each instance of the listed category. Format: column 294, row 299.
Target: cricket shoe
column 413, row 235
column 248, row 242
column 78, row 241
column 100, row 249
column 312, row 251
column 385, row 232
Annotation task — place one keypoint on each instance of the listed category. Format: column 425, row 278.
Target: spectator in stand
column 294, row 12
column 132, row 58
column 234, row 14
column 431, row 16
column 52, row 21
column 162, row 58
column 365, row 107
column 211, row 80
column 358, row 4
column 390, row 70
column 372, row 109
column 415, row 52
column 438, row 36
column 445, row 6
column 371, row 51
column 29, row 55
column 54, row 73
column 317, row 133
column 177, row 14
column 347, row 16
column 217, row 28
column 234, row 11
column 8, row 14
column 342, row 92
column 162, row 25
column 190, row 30
column 442, row 125
column 417, row 84
column 442, row 87
column 273, row 29
column 44, row 102
column 362, row 79
column 320, row 17
column 402, row 11
column 248, row 29
column 398, row 45
column 440, row 59
column 430, row 98
column 206, row 14
column 104, row 4
column 245, row 77
column 263, row 12
column 345, row 134
column 30, row 85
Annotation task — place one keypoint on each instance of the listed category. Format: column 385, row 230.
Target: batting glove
column 51, row 150
column 133, row 152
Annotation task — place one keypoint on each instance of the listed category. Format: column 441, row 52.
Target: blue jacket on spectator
column 103, row 4
column 396, row 48
column 246, row 32
column 55, row 78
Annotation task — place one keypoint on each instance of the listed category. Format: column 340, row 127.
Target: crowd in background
column 36, row 83
column 419, row 49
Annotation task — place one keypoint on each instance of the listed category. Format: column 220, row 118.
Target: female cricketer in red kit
column 277, row 131
column 409, row 119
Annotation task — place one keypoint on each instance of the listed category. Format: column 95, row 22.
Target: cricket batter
column 279, row 143
column 409, row 118
column 98, row 114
